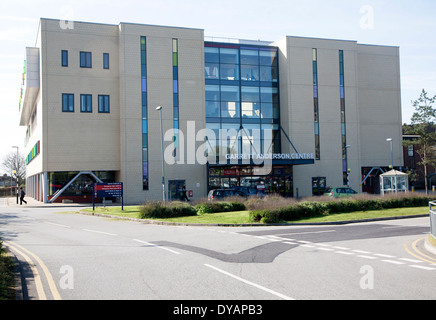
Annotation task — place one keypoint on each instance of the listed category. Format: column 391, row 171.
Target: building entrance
column 175, row 189
column 279, row 181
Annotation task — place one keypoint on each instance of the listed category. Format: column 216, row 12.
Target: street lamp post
column 163, row 163
column 392, row 153
column 16, row 169
column 348, row 170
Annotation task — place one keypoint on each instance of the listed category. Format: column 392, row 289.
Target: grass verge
column 7, row 278
column 242, row 217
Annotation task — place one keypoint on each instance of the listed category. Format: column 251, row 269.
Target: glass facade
column 343, row 124
column 242, row 98
column 316, row 103
column 176, row 95
column 143, row 45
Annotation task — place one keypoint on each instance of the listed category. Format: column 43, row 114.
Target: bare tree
column 15, row 164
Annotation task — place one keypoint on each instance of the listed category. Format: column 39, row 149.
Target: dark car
column 224, row 193
column 247, row 190
column 340, row 192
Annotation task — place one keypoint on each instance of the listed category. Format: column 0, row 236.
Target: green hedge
column 222, row 206
column 306, row 209
column 182, row 209
column 170, row 210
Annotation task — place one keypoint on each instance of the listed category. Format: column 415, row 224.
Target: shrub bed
column 222, row 206
column 261, row 212
column 169, row 210
column 182, row 209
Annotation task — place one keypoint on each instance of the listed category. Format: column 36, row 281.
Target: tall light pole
column 392, row 153
column 16, row 169
column 163, row 163
column 348, row 170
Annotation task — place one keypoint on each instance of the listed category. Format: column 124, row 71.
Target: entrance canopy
column 394, row 181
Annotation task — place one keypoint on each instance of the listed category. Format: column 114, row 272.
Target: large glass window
column 242, row 93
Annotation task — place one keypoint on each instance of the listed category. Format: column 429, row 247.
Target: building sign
column 271, row 156
column 108, row 190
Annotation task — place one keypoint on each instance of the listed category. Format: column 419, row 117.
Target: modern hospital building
column 290, row 116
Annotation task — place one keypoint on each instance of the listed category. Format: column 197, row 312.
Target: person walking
column 22, row 194
column 184, row 196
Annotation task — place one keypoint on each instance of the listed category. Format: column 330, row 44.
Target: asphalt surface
column 71, row 256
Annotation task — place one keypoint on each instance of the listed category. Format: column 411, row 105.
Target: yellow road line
column 419, row 254
column 47, row 273
column 36, row 277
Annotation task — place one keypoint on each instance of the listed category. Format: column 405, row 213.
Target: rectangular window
column 105, row 60
column 64, row 58
column 103, row 104
column 85, row 103
column 67, row 102
column 85, row 59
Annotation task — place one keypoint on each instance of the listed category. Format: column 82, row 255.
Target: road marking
column 411, row 260
column 47, row 273
column 38, row 283
column 157, row 246
column 250, row 283
column 393, row 261
column 59, row 225
column 383, row 255
column 422, row 267
column 367, row 257
column 426, row 259
column 344, row 252
column 341, row 248
column 325, row 249
column 308, row 232
column 361, row 251
column 101, row 232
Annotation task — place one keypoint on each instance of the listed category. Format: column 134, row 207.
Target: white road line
column 250, row 283
column 344, row 252
column 289, row 242
column 422, row 267
column 411, row 260
column 393, row 261
column 101, row 232
column 367, row 257
column 308, row 232
column 341, row 248
column 361, row 251
column 325, row 249
column 59, row 225
column 157, row 246
column 383, row 255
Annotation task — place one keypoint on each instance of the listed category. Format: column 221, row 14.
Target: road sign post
column 107, row 190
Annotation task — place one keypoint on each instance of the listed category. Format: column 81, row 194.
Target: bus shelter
column 394, row 181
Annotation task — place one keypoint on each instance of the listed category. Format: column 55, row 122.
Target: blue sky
column 408, row 24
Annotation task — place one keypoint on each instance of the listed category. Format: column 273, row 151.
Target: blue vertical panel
column 143, row 45
column 343, row 123
column 175, row 57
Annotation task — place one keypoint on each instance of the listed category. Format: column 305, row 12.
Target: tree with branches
column 423, row 127
column 15, row 164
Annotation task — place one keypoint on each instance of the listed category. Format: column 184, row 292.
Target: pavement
column 32, row 203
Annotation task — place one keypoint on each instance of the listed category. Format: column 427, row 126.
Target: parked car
column 340, row 192
column 224, row 193
column 247, row 190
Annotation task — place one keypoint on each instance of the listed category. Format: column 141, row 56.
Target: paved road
column 71, row 256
